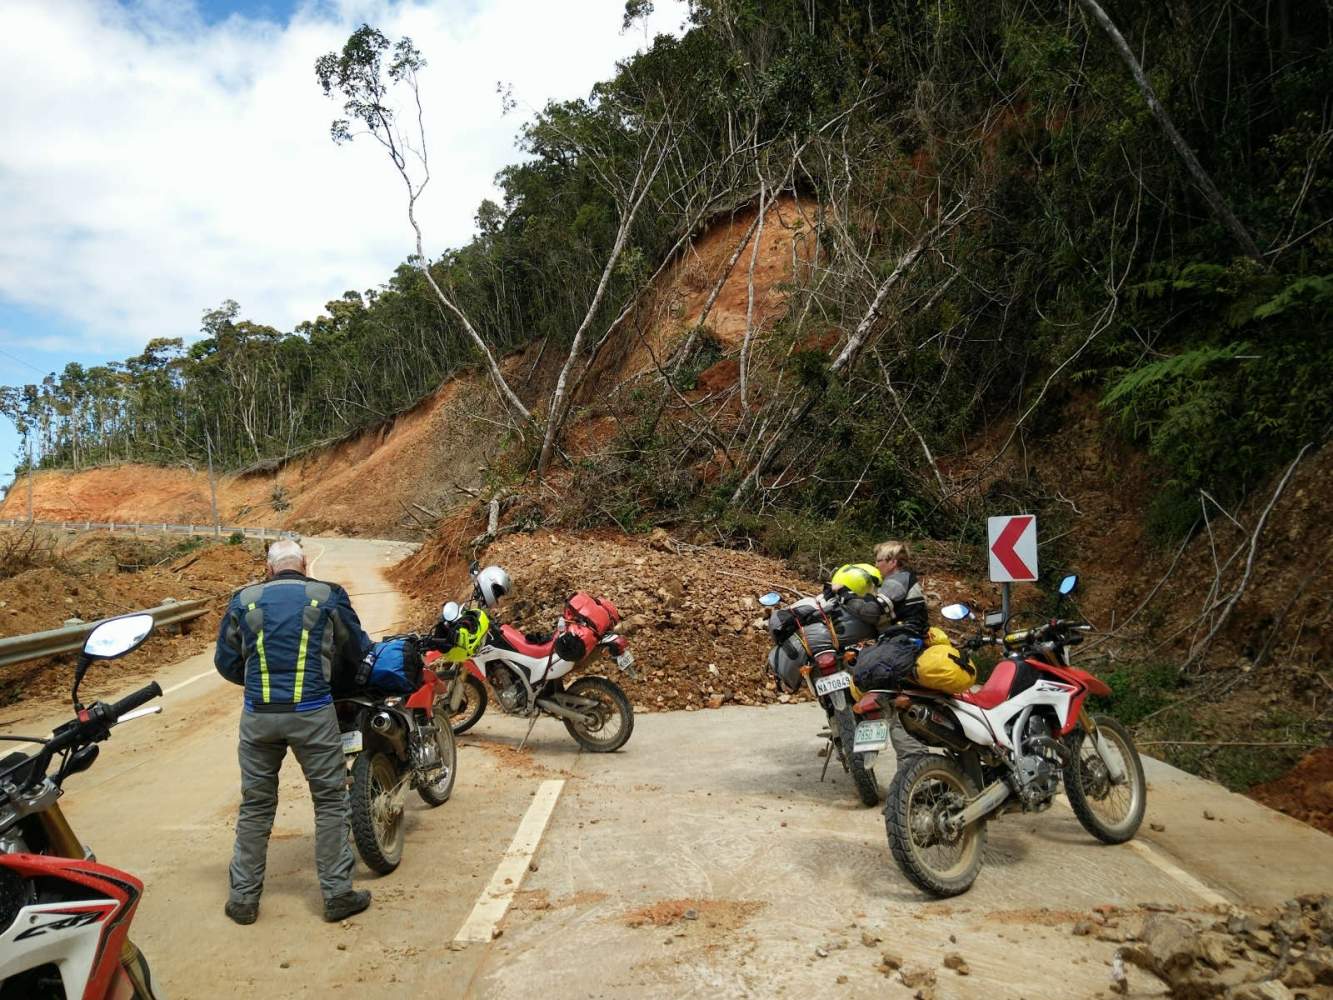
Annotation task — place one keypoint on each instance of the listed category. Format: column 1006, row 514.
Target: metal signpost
column 1012, row 548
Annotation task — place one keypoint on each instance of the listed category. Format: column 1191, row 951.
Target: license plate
column 625, row 660
column 873, row 734
column 833, row 682
column 352, row 741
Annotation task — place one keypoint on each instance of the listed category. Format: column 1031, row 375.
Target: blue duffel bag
column 395, row 665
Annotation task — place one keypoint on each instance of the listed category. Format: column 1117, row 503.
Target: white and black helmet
column 492, row 584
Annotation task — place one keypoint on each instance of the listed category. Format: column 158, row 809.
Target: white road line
column 189, row 681
column 494, row 900
column 310, row 570
column 1155, row 859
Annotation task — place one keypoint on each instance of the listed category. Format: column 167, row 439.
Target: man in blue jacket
column 282, row 640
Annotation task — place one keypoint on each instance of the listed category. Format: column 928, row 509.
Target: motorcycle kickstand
column 532, row 721
column 827, row 757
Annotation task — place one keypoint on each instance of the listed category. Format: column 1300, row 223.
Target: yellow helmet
column 860, row 578
column 469, row 635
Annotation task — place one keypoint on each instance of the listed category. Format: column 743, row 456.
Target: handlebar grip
column 132, row 701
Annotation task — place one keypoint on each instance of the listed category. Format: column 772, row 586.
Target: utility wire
column 25, row 364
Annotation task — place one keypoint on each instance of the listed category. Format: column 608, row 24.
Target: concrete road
column 706, row 858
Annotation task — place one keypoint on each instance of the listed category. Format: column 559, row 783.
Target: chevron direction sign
column 1012, row 548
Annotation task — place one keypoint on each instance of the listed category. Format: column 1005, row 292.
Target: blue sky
column 176, row 154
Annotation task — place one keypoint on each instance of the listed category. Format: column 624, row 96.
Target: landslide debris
column 1280, row 954
column 52, row 577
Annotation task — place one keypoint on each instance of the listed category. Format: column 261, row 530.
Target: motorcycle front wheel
column 377, row 814
column 471, row 708
column 1110, row 812
column 863, row 777
column 437, row 792
column 614, row 714
column 925, row 793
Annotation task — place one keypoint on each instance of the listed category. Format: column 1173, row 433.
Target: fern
column 1155, row 376
column 1314, row 291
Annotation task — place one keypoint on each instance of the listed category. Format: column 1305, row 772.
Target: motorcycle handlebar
column 132, row 701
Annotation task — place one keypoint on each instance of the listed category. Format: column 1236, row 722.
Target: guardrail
column 70, row 638
column 145, row 528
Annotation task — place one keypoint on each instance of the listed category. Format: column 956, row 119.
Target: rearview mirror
column 771, row 600
column 451, row 612
column 117, row 636
column 956, row 612
column 1068, row 585
column 474, row 568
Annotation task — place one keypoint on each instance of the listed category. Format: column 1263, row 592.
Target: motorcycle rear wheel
column 438, row 791
column 472, row 707
column 1111, row 813
column 613, row 706
column 925, row 788
column 867, row 788
column 377, row 827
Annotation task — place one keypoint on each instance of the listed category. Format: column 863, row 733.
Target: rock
column 716, row 700
column 1157, row 827
column 1170, row 949
column 284, row 965
column 955, row 961
column 1268, row 990
column 917, row 976
column 691, row 914
column 841, row 980
column 533, row 866
column 661, row 541
column 868, row 939
column 1115, row 935
column 1313, row 968
column 1208, row 815
column 1083, row 928
column 1214, row 949
column 341, row 946
column 892, row 960
column 822, row 952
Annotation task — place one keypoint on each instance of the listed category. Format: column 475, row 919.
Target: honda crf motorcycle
column 1007, row 747
column 394, row 743
column 65, row 918
column 814, row 648
column 529, row 677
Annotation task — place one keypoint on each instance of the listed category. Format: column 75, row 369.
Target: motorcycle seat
column 995, row 690
column 519, row 643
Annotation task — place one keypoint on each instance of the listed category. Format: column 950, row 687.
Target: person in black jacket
column 903, row 590
column 283, row 640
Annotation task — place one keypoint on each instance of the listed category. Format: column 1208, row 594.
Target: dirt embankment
column 51, row 578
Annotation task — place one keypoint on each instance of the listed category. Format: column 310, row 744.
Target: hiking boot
column 346, row 905
column 242, row 913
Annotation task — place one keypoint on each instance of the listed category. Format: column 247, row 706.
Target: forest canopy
column 1003, row 219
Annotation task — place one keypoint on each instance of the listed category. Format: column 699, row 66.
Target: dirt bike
column 64, row 918
column 1007, row 747
column 814, row 649
column 529, row 680
column 394, row 743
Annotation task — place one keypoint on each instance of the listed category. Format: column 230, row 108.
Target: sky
column 160, row 156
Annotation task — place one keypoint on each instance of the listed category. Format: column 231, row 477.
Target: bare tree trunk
column 749, row 297
column 559, row 410
column 1210, row 191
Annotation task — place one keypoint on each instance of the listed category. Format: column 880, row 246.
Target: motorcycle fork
column 1114, row 770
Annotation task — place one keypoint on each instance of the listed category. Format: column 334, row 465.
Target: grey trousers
column 904, row 743
column 313, row 737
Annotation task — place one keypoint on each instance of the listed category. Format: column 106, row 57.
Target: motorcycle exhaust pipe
column 985, row 803
column 926, row 726
column 381, row 722
column 556, row 709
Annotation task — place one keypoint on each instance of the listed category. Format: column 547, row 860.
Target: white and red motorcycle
column 529, row 677
column 1007, row 747
column 65, row 918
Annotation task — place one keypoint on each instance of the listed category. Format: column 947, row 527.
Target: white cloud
column 151, row 166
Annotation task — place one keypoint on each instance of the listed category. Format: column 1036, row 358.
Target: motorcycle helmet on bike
column 492, row 583
column 860, row 578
